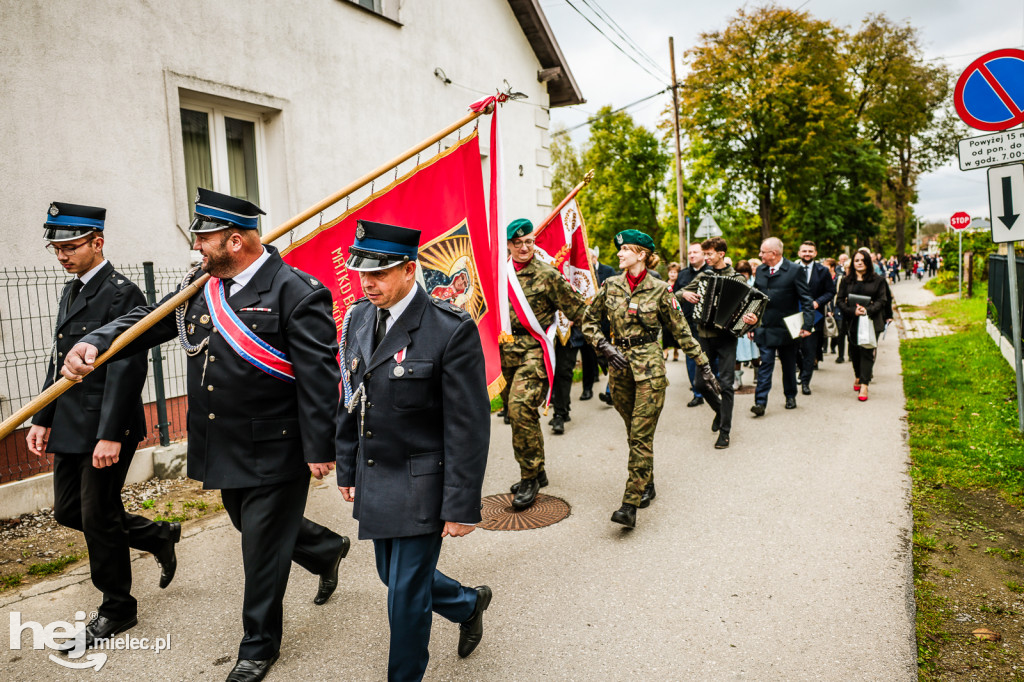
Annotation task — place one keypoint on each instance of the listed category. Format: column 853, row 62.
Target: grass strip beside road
column 962, row 414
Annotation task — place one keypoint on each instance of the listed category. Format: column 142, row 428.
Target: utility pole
column 684, row 228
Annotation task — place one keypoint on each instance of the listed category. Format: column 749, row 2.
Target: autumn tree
column 768, row 104
column 902, row 108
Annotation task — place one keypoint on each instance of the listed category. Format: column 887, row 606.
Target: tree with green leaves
column 902, row 107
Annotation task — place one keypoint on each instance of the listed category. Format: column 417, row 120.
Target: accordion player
column 725, row 301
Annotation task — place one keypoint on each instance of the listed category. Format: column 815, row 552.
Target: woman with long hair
column 637, row 306
column 862, row 280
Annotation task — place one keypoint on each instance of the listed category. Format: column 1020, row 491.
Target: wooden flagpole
column 568, row 197
column 166, row 308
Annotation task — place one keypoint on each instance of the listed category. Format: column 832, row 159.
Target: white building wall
column 91, row 90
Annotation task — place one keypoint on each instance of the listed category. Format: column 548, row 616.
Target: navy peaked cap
column 65, row 222
column 216, row 211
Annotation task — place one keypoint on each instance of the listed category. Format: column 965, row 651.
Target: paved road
column 785, row 557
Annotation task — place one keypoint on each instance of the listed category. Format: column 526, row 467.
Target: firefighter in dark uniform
column 412, row 440
column 94, row 429
column 262, row 390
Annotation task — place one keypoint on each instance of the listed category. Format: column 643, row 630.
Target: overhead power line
column 599, row 116
column 621, row 32
column 618, row 47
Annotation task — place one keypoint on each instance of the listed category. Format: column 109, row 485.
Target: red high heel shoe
column 863, row 393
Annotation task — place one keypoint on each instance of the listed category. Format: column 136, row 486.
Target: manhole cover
column 498, row 513
column 744, row 390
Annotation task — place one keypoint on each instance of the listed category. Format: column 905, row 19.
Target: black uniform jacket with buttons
column 420, row 456
column 789, row 294
column 107, row 404
column 245, row 427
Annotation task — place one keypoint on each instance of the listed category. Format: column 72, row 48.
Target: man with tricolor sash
column 537, row 291
column 263, row 397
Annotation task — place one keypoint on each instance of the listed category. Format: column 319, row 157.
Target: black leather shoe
column 247, row 670
column 839, row 360
column 587, row 394
column 757, row 409
column 604, row 397
column 503, row 412
column 329, row 578
column 542, row 478
column 100, row 627
column 723, row 441
column 166, row 557
column 526, row 494
column 716, row 423
column 626, row 515
column 648, row 496
column 790, row 403
column 697, row 400
column 472, row 631
column 806, row 389
column 558, row 425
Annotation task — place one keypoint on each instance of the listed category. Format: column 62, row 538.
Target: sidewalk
column 785, row 557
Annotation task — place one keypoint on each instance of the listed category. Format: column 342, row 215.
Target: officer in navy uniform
column 256, row 429
column 412, row 440
column 93, row 430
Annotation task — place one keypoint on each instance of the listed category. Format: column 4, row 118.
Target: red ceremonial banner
column 444, row 199
column 563, row 243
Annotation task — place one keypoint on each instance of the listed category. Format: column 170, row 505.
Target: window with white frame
column 223, row 151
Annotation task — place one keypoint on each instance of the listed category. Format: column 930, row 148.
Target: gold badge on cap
column 205, row 319
column 360, row 232
column 54, row 210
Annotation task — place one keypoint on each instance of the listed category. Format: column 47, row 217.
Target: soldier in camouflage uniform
column 719, row 345
column 522, row 359
column 637, row 306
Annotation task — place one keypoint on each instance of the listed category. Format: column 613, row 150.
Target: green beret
column 520, row 227
column 634, row 237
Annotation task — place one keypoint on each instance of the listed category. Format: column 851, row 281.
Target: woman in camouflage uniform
column 637, row 306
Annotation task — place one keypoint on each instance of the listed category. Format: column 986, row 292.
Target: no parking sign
column 989, row 94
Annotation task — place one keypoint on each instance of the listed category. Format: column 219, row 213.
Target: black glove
column 710, row 383
column 612, row 354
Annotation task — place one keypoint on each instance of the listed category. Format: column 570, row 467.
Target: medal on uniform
column 355, row 363
column 191, row 329
column 399, row 356
column 633, row 308
column 205, row 319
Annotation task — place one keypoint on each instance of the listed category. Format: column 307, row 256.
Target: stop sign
column 959, row 220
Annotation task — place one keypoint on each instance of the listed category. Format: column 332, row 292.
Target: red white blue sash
column 242, row 340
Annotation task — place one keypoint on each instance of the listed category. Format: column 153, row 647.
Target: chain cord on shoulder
column 346, row 374
column 179, row 317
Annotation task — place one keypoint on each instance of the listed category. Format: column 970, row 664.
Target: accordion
column 724, row 301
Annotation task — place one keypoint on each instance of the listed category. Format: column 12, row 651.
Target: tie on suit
column 228, row 283
column 382, row 326
column 76, row 288
column 807, row 271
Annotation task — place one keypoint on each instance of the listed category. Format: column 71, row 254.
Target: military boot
column 526, row 494
column 626, row 515
column 558, row 425
column 542, row 478
column 648, row 495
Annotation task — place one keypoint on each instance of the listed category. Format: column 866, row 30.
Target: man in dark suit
column 412, row 440
column 822, row 290
column 93, row 430
column 788, row 294
column 697, row 264
column 263, row 399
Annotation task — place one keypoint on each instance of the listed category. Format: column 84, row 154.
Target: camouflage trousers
column 639, row 403
column 528, row 384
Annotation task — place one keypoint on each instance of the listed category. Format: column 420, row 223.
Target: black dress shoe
column 697, row 400
column 508, row 419
column 542, row 478
column 626, row 515
column 790, row 403
column 716, row 423
column 648, row 495
column 723, row 441
column 166, row 557
column 558, row 425
column 839, row 360
column 605, row 397
column 247, row 670
column 526, row 494
column 757, row 409
column 100, row 627
column 587, row 394
column 472, row 631
column 503, row 412
column 329, row 578
column 806, row 389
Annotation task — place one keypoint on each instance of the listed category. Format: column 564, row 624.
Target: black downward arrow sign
column 1009, row 217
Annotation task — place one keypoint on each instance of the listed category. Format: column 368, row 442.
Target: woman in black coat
column 864, row 281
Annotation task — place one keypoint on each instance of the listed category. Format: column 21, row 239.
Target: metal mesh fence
column 29, row 299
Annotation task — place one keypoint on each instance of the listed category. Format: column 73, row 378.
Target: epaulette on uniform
column 119, row 280
column 307, row 278
column 448, row 307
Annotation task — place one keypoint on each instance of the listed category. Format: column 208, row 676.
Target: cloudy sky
column 956, row 31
